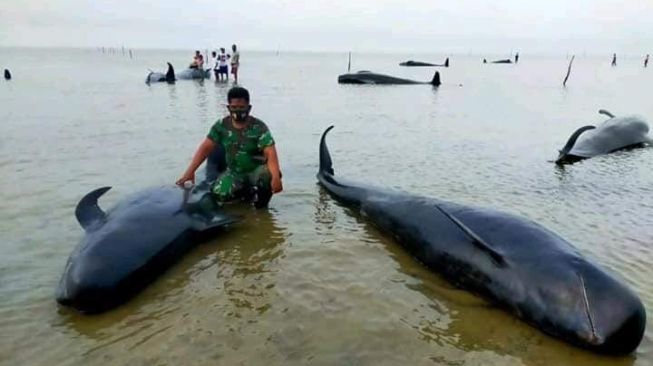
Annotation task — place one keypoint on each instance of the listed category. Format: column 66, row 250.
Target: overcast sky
column 453, row 26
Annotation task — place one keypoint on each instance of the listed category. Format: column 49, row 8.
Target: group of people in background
column 220, row 63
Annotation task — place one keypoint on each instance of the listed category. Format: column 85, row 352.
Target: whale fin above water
column 571, row 142
column 87, row 211
column 606, row 113
column 436, row 79
column 326, row 164
column 170, row 74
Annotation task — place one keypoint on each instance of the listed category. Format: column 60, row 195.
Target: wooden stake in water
column 564, row 83
column 349, row 64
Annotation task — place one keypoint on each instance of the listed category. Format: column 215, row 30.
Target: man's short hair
column 238, row 93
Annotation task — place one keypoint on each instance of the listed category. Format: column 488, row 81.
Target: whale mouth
column 613, row 324
column 593, row 337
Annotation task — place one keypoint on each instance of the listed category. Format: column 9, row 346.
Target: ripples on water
column 310, row 281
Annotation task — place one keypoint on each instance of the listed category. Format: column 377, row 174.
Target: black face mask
column 240, row 114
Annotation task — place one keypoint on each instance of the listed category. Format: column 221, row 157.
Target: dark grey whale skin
column 510, row 261
column 372, row 78
column 129, row 246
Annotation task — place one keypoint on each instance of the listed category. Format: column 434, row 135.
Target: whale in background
column 372, row 78
column 614, row 134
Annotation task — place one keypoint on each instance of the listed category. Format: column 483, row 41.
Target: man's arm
column 270, row 153
column 202, row 152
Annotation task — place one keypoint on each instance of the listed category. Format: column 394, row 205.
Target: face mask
column 239, row 114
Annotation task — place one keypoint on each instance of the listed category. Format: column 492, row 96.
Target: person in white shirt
column 222, row 66
column 215, row 63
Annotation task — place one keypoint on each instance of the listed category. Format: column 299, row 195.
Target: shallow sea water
column 309, row 281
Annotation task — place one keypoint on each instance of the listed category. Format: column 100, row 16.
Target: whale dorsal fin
column 496, row 256
column 88, row 212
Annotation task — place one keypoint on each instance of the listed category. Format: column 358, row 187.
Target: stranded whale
column 510, row 261
column 614, row 134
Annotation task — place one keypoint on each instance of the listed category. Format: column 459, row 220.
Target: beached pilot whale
column 368, row 77
column 188, row 74
column 419, row 63
column 168, row 77
column 7, row 74
column 126, row 248
column 506, row 61
column 510, row 261
column 614, row 134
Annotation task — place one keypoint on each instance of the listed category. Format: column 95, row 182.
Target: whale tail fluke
column 343, row 191
column 571, row 142
column 87, row 211
column 170, row 74
column 326, row 165
column 436, row 79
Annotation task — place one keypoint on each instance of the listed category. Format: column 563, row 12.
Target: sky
column 434, row 26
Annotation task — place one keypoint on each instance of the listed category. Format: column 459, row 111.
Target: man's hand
column 270, row 153
column 202, row 152
column 187, row 177
column 276, row 184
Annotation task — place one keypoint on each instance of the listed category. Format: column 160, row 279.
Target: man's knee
column 261, row 181
column 226, row 187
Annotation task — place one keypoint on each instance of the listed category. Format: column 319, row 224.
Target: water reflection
column 173, row 99
column 247, row 265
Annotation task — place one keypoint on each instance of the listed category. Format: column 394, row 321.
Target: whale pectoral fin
column 496, row 256
column 606, row 113
column 87, row 211
column 572, row 141
column 202, row 223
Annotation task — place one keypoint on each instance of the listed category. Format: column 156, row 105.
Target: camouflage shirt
column 243, row 147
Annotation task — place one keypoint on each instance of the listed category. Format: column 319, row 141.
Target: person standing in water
column 646, row 61
column 614, row 59
column 215, row 64
column 224, row 69
column 252, row 162
column 235, row 62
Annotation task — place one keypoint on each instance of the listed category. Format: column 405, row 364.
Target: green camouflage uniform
column 246, row 165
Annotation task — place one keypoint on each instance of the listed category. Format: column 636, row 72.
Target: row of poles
column 127, row 52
